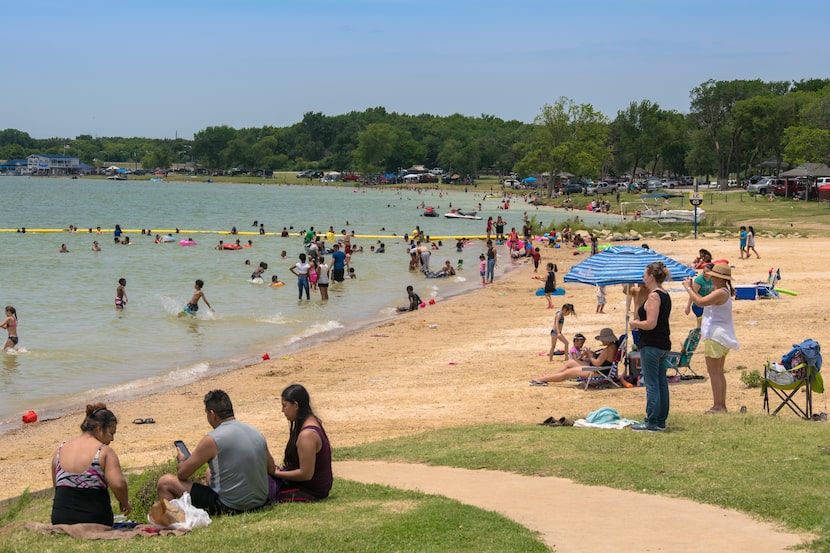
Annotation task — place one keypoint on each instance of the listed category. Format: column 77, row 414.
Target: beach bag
column 779, row 374
column 177, row 514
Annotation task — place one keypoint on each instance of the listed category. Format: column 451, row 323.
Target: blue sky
column 164, row 68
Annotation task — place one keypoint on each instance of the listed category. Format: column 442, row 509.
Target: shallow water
column 80, row 348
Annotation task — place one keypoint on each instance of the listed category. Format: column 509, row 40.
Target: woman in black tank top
column 652, row 320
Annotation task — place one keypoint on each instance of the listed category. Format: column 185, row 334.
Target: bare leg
column 718, row 381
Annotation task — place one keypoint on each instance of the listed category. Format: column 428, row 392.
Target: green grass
column 772, row 467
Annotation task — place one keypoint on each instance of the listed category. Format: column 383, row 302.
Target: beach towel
column 91, row 531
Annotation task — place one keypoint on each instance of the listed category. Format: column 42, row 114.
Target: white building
column 49, row 164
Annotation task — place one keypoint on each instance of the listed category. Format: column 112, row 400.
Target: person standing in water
column 10, row 324
column 193, row 306
column 121, row 294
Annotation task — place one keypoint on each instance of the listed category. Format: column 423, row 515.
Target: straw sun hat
column 721, row 271
column 607, row 335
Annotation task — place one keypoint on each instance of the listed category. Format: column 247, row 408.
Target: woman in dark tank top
column 652, row 320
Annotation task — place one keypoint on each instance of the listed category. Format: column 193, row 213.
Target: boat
column 430, row 212
column 458, row 214
column 117, row 177
column 672, row 215
column 655, row 211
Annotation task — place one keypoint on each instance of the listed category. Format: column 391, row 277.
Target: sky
column 165, row 69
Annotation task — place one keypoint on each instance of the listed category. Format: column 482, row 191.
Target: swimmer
column 95, row 246
column 276, row 282
column 259, row 270
column 10, row 324
column 63, row 249
column 121, row 294
column 193, row 306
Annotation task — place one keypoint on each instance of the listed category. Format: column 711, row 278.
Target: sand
column 466, row 360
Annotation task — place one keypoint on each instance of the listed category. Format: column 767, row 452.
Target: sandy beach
column 466, row 360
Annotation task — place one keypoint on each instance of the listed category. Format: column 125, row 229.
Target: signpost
column 695, row 198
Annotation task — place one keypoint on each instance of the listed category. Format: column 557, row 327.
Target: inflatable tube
column 558, row 292
column 785, row 291
column 227, row 246
column 187, row 242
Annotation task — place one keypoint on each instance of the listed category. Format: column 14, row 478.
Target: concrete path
column 573, row 518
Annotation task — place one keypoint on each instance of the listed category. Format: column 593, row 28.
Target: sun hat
column 721, row 271
column 607, row 335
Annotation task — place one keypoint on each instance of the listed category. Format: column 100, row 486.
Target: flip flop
column 144, row 421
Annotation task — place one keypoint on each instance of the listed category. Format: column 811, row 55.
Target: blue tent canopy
column 623, row 265
column 529, row 179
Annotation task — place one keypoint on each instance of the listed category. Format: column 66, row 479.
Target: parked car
column 309, row 174
column 601, row 187
column 788, row 187
column 571, row 188
column 351, row 177
column 767, row 185
column 654, row 183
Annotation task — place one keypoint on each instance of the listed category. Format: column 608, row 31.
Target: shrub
column 751, row 379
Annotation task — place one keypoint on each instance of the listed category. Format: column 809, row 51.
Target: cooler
column 746, row 292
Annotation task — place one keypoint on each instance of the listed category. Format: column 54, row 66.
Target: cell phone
column 183, row 448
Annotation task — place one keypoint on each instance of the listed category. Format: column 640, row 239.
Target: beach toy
column 719, row 261
column 540, row 292
column 265, row 357
column 432, row 301
column 452, row 363
column 785, row 291
column 187, row 242
column 558, row 292
column 422, row 305
column 557, row 246
column 29, row 416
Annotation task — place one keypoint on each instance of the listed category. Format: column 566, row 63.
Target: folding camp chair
column 603, row 376
column 799, row 370
column 767, row 289
column 683, row 358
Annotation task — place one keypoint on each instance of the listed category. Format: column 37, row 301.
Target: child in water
column 192, row 307
column 121, row 294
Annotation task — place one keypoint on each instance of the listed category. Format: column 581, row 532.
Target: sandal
column 144, row 421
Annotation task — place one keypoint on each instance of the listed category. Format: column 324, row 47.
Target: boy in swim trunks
column 192, row 307
column 121, row 294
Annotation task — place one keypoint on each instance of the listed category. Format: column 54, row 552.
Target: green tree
column 806, row 145
column 568, row 137
column 375, row 147
column 711, row 111
column 209, row 145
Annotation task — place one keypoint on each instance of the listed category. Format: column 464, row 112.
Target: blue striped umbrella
column 623, row 265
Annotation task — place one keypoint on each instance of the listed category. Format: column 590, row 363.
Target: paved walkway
column 573, row 518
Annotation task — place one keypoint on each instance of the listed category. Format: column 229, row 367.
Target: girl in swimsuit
column 556, row 332
column 10, row 324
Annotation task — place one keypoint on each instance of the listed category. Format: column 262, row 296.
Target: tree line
column 731, row 127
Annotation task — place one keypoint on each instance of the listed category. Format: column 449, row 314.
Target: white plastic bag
column 196, row 517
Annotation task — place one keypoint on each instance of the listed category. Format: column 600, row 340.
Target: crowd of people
column 710, row 295
column 242, row 474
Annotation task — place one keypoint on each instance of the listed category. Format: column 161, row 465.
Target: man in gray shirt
column 238, row 464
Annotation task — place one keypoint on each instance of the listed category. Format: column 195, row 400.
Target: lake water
column 79, row 348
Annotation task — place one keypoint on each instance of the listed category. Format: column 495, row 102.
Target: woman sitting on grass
column 575, row 368
column 305, row 474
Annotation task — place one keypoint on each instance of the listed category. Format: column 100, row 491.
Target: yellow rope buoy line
column 293, row 234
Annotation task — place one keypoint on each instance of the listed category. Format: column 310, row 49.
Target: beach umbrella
column 623, row 265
